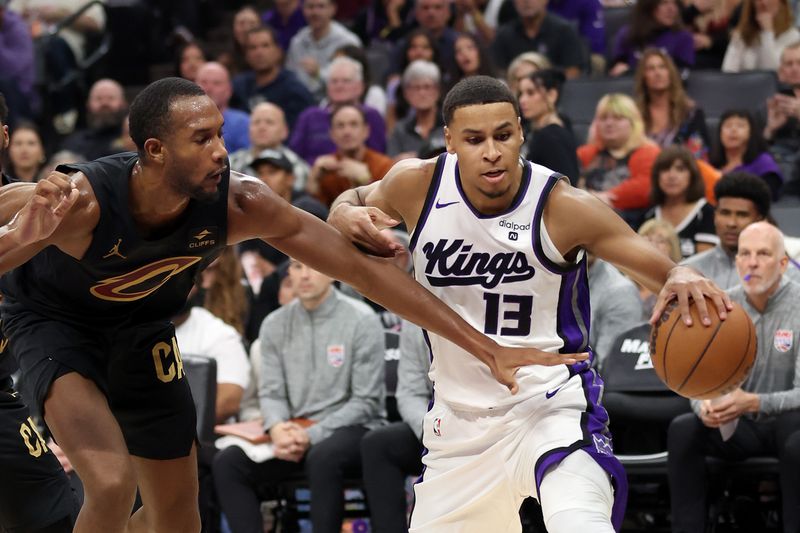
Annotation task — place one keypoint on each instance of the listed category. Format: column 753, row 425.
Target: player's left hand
column 52, row 199
column 684, row 283
column 363, row 225
column 508, row 360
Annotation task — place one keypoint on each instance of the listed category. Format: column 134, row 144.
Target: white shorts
column 479, row 466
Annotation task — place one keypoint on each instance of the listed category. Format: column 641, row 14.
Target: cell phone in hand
column 786, row 89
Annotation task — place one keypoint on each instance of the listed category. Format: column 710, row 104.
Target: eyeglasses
column 422, row 87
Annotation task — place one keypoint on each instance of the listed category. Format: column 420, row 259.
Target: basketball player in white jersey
column 504, row 242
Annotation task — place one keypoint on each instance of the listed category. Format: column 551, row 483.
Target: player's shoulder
column 566, row 200
column 244, row 190
column 410, row 171
column 405, row 187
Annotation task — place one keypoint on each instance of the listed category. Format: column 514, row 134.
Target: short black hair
column 756, row 145
column 150, row 110
column 341, row 107
column 263, row 28
column 3, row 110
column 743, row 184
column 476, row 90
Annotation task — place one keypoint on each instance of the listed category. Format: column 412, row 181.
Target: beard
column 196, row 192
column 104, row 120
column 203, row 196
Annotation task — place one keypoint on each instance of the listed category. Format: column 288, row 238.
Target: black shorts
column 34, row 491
column 138, row 368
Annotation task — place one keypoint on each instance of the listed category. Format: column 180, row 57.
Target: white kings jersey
column 503, row 275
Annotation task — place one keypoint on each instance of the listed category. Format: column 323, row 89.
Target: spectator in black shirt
column 268, row 81
column 539, row 31
column 549, row 142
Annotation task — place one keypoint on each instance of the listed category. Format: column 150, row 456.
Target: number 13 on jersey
column 516, row 311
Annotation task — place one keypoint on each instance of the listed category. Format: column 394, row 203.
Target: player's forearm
column 12, row 254
column 650, row 271
column 351, row 197
column 7, row 241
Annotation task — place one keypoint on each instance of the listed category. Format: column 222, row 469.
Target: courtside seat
column 640, row 408
column 579, row 100
column 716, row 92
column 201, row 371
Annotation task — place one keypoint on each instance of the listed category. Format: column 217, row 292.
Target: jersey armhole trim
column 544, row 248
column 433, row 190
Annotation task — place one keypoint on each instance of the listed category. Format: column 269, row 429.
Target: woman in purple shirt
column 741, row 146
column 654, row 24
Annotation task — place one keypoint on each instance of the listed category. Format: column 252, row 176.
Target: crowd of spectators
column 320, row 96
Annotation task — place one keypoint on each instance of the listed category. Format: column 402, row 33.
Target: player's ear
column 521, row 130
column 448, row 141
column 4, row 142
column 154, row 149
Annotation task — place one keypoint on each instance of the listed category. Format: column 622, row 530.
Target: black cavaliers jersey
column 7, row 363
column 123, row 278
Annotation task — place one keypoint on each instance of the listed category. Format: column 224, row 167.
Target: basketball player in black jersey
column 35, row 495
column 86, row 309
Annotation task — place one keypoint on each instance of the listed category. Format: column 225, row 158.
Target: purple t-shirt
column 762, row 165
column 311, row 133
column 16, row 51
column 678, row 44
column 588, row 14
column 765, row 167
column 284, row 30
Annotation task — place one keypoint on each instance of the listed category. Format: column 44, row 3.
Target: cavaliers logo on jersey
column 143, row 281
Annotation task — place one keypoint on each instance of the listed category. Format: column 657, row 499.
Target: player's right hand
column 507, row 361
column 52, row 199
column 362, row 226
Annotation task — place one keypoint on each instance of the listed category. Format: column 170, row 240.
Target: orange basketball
column 703, row 361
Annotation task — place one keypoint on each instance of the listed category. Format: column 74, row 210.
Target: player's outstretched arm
column 606, row 235
column 256, row 212
column 31, row 213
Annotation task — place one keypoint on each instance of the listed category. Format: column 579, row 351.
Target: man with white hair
column 312, row 49
column 215, row 80
column 766, row 406
column 345, row 85
column 268, row 131
column 782, row 128
column 421, row 132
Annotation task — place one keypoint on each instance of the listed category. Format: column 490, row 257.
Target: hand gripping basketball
column 703, row 362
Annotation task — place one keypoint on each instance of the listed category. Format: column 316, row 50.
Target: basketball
column 703, row 362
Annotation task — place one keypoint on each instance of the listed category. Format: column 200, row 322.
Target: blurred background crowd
column 682, row 115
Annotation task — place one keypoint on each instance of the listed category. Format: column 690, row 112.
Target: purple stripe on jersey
column 527, row 170
column 433, row 190
column 430, row 351
column 596, row 442
column 424, row 449
column 571, row 320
